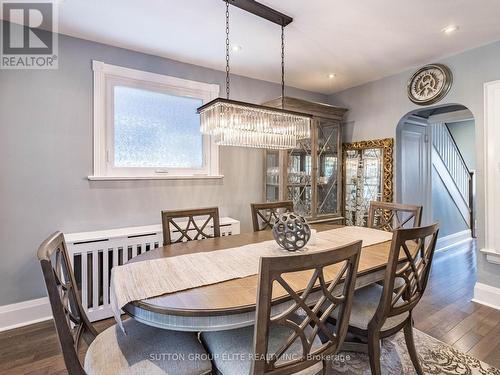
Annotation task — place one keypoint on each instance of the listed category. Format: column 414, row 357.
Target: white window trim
column 491, row 171
column 104, row 76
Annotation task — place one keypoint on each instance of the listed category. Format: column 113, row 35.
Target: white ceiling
column 359, row 41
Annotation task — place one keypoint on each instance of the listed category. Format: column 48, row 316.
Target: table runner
column 152, row 278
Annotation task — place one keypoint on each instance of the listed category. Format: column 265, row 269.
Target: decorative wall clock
column 429, row 84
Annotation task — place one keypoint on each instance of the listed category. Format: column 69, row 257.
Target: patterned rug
column 435, row 358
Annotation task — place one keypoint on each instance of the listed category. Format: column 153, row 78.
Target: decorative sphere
column 291, row 231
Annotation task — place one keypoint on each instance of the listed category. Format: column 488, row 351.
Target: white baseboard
column 24, row 313
column 487, row 295
column 454, row 239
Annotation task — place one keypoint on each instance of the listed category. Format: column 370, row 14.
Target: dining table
column 232, row 303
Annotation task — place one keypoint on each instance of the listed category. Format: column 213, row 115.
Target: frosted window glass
column 156, row 130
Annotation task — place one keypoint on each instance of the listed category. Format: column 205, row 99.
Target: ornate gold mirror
column 368, row 172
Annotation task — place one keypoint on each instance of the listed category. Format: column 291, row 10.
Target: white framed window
column 146, row 126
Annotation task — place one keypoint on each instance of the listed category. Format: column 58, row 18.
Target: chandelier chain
column 282, row 66
column 227, row 49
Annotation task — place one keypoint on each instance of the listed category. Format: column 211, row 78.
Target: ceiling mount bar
column 262, row 11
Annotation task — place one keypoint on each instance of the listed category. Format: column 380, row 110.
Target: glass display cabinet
column 272, row 176
column 310, row 175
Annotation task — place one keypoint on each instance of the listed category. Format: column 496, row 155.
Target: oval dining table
column 232, row 304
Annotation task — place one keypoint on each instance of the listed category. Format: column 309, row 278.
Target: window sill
column 491, row 256
column 171, row 177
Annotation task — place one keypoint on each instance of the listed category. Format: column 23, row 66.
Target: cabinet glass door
column 299, row 177
column 309, row 175
column 272, row 176
column 328, row 169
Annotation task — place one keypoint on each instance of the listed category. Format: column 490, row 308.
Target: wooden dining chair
column 189, row 225
column 381, row 311
column 286, row 336
column 390, row 216
column 265, row 214
column 110, row 352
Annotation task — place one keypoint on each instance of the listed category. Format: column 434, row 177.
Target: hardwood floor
column 445, row 313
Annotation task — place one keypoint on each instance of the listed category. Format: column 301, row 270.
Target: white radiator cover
column 93, row 254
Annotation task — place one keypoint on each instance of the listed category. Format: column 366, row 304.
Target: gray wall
column 376, row 108
column 444, row 209
column 46, row 155
column 464, row 133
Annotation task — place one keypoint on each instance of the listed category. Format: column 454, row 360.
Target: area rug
column 436, row 357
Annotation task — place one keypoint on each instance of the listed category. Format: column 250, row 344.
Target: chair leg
column 410, row 344
column 326, row 370
column 374, row 353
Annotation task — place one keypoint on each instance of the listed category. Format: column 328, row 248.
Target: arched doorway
column 435, row 158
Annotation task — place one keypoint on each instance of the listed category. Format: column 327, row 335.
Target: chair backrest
column 265, row 214
column 407, row 273
column 331, row 286
column 189, row 225
column 390, row 216
column 70, row 319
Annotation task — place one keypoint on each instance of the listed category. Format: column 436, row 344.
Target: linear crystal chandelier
column 235, row 123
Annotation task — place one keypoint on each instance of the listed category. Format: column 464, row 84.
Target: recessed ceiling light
column 331, row 76
column 450, row 29
column 237, row 48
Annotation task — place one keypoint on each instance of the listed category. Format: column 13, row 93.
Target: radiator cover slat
column 99, row 251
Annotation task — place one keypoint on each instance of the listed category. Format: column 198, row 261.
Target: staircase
column 450, row 165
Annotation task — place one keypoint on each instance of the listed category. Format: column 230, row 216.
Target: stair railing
column 450, row 154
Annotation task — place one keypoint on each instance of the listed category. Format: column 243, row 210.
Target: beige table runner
column 152, row 278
